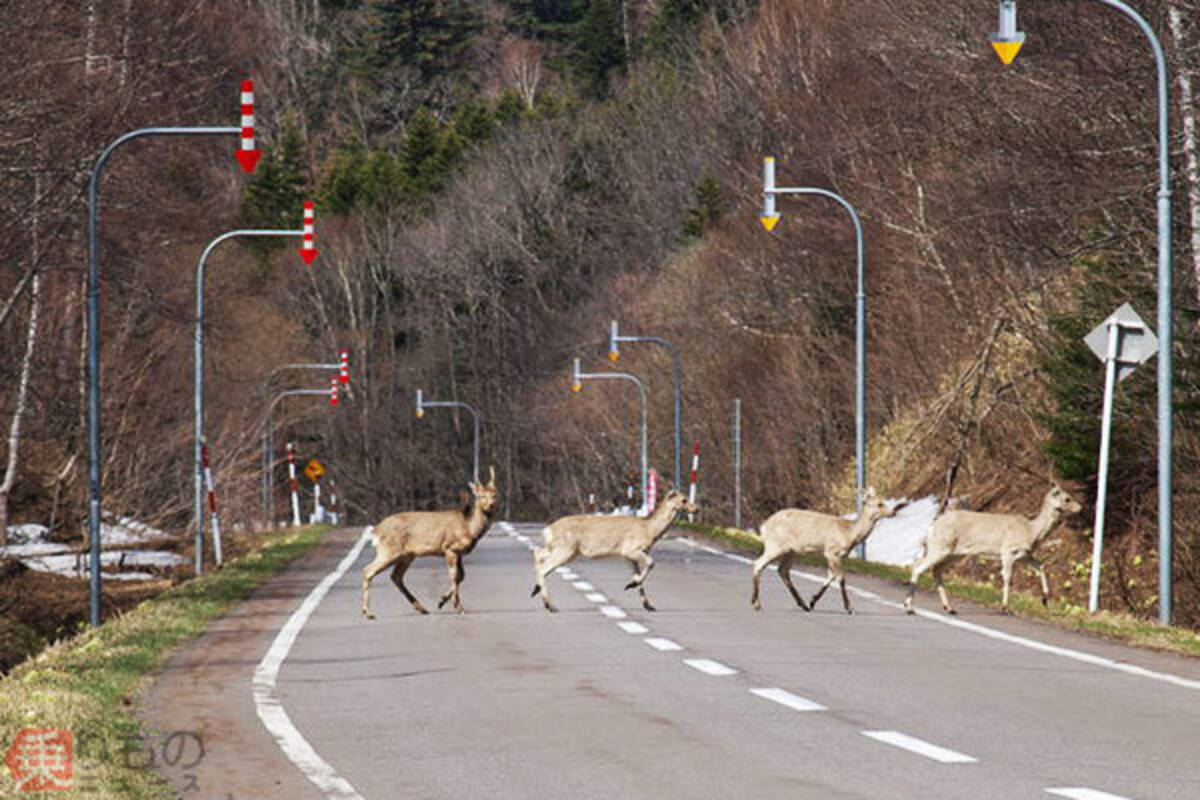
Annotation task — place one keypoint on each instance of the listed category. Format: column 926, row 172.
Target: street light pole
column 198, row 374
column 769, row 218
column 577, row 379
column 423, row 404
column 1165, row 333
column 93, row 344
column 614, row 353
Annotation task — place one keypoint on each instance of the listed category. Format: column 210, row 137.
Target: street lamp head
column 1007, row 40
column 769, row 216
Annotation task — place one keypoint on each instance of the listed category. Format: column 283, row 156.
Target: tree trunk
column 1187, row 115
column 14, row 432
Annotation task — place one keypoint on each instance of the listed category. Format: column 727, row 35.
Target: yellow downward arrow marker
column 1007, row 50
column 768, row 222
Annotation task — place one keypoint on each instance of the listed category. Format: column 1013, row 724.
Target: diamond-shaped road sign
column 1135, row 341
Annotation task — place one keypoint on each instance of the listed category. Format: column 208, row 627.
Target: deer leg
column 835, row 568
column 402, row 566
column 1040, row 569
column 941, row 587
column 918, row 568
column 1006, row 568
column 785, row 575
column 642, row 564
column 454, row 569
column 369, row 572
column 546, row 561
column 761, row 563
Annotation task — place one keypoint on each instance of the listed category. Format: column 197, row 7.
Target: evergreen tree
column 275, row 195
column 430, row 35
column 599, row 47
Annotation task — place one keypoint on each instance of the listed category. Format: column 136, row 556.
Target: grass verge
column 86, row 684
column 1122, row 627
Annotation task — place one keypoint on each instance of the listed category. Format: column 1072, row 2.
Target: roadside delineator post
column 695, row 475
column 212, row 507
column 293, row 484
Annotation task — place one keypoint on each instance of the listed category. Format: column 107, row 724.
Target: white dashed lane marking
column 786, row 698
column 612, row 612
column 920, row 747
column 664, row 645
column 583, row 586
column 710, row 667
column 1081, row 793
column 596, row 597
column 635, row 628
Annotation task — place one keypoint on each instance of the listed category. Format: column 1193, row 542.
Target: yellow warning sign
column 313, row 471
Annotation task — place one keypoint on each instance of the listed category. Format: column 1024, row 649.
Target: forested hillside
column 496, row 180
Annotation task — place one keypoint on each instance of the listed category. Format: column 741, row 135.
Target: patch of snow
column 33, row 549
column 897, row 540
column 128, row 531
column 76, row 564
column 28, row 533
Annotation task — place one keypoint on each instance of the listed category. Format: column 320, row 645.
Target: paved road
column 704, row 698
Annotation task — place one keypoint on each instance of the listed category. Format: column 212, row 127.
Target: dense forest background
column 496, row 180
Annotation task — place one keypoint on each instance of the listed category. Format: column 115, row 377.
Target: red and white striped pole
column 308, row 250
column 292, row 484
column 247, row 154
column 333, row 391
column 344, row 369
column 212, row 500
column 652, row 491
column 695, row 475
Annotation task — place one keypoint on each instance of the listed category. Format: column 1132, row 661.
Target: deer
column 792, row 532
column 598, row 537
column 1012, row 538
column 403, row 537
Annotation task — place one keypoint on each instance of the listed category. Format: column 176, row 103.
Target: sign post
column 1122, row 342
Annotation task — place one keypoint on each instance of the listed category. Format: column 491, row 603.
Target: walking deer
column 598, row 537
column 792, row 532
column 403, row 537
column 958, row 534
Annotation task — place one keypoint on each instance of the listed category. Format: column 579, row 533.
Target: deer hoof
column 648, row 607
column 631, row 585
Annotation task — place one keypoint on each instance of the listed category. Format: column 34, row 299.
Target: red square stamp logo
column 41, row 760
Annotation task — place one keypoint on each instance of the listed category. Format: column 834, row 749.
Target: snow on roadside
column 897, row 540
column 31, row 547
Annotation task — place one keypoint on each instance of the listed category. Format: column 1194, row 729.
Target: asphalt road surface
column 704, row 698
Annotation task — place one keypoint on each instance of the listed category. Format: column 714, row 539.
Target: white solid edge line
column 786, row 698
column 633, row 627
column 596, row 597
column 665, row 645
column 613, row 612
column 1033, row 644
column 709, row 667
column 267, row 704
column 920, row 747
column 1081, row 793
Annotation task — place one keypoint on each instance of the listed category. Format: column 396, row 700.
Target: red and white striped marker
column 333, row 504
column 248, row 155
column 293, row 484
column 212, row 501
column 344, row 370
column 652, row 481
column 695, row 475
column 333, row 391
column 308, row 250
